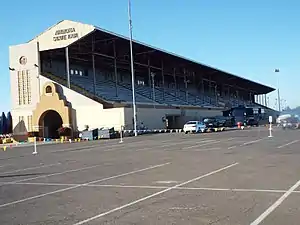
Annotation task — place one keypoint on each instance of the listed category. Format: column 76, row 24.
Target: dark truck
column 218, row 123
column 251, row 122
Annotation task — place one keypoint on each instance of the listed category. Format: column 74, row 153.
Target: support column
column 260, row 99
column 174, row 75
column 216, row 94
column 163, row 78
column 93, row 62
column 94, row 73
column 68, row 68
column 115, row 68
column 149, row 73
column 186, row 85
column 150, row 79
column 203, row 91
column 266, row 100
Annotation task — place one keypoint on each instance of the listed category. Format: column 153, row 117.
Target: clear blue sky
column 247, row 38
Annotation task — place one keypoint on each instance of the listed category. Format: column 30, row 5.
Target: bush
column 33, row 134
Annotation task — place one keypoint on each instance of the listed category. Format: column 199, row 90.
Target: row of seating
column 122, row 92
column 107, row 90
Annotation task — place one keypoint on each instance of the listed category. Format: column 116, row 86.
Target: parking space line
column 233, row 189
column 160, row 187
column 154, row 195
column 5, row 165
column 287, row 144
column 185, row 142
column 203, row 150
column 49, row 175
column 200, row 145
column 276, row 204
column 80, row 185
column 30, row 168
column 251, row 142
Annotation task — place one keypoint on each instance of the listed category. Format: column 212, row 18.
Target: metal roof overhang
column 103, row 39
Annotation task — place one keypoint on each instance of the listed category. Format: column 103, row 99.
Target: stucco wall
column 152, row 118
column 30, row 52
column 62, row 34
column 89, row 112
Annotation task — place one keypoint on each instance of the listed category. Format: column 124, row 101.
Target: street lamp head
column 11, row 69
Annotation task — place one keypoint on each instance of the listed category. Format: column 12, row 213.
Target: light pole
column 132, row 69
column 278, row 93
column 153, row 89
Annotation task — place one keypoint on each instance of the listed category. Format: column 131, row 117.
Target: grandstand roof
column 66, row 33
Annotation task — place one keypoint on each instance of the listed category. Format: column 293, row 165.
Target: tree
column 9, row 123
column 3, row 124
column 1, row 130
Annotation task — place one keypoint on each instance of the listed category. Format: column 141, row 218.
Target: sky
column 246, row 38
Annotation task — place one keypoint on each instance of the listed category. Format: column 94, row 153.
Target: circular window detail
column 23, row 60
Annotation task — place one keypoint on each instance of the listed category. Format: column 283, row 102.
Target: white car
column 194, row 127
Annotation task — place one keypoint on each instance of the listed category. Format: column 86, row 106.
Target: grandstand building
column 77, row 75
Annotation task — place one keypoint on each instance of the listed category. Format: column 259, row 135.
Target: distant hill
column 295, row 111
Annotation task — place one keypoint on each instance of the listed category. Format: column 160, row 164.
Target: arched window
column 49, row 89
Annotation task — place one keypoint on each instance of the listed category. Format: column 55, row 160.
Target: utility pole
column 132, row 70
column 278, row 92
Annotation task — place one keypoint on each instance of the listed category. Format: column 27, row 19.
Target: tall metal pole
column 278, row 93
column 132, row 69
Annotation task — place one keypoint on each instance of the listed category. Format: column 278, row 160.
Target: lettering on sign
column 65, row 34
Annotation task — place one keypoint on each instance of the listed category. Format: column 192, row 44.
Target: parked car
column 225, row 121
column 211, row 122
column 291, row 123
column 194, row 127
column 251, row 122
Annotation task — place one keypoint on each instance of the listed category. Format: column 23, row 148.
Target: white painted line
column 275, row 205
column 5, row 165
column 230, row 139
column 30, row 168
column 111, row 147
column 168, row 145
column 80, row 185
column 166, row 182
column 232, row 147
column 189, row 141
column 204, row 150
column 233, row 189
column 50, row 175
column 290, row 143
column 42, row 184
column 251, row 142
column 200, row 145
column 158, row 187
column 153, row 195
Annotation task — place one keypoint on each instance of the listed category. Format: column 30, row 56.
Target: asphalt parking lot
column 231, row 178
